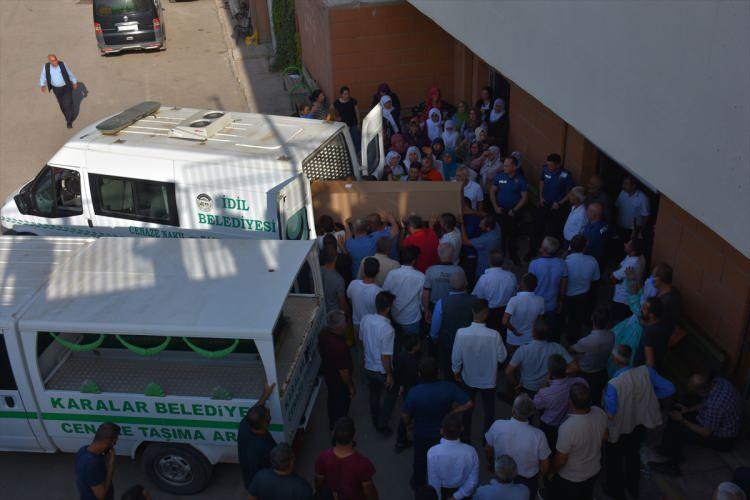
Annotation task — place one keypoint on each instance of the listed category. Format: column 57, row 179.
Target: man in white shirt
column 578, row 453
column 452, row 466
column 583, row 271
column 633, row 259
column 633, row 209
column 477, row 351
column 472, row 190
column 577, row 218
column 406, row 284
column 387, row 264
column 378, row 337
column 437, row 279
column 362, row 292
column 503, row 487
column 516, row 438
column 521, row 313
column 496, row 286
column 451, row 235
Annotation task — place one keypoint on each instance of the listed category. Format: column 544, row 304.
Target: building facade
column 659, row 90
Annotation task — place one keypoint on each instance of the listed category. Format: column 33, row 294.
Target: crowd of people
column 443, row 317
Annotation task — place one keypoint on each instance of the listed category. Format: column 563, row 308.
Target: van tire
column 176, row 468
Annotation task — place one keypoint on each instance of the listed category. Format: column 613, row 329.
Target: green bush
column 287, row 38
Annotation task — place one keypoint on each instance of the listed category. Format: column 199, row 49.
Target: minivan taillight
column 157, row 24
column 97, row 28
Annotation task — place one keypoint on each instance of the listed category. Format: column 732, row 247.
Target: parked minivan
column 128, row 24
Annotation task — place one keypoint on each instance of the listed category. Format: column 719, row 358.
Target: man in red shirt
column 428, row 171
column 342, row 472
column 423, row 238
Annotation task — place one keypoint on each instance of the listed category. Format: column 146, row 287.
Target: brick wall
column 313, row 26
column 712, row 276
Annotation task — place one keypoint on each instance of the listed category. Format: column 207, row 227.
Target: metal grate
column 331, row 162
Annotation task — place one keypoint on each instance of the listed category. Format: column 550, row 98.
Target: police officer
column 554, row 186
column 58, row 78
column 509, row 194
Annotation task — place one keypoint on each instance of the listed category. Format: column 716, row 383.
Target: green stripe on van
column 171, row 422
column 26, row 415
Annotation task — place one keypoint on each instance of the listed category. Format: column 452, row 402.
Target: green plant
column 287, row 38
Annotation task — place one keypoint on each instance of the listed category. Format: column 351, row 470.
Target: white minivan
column 179, row 172
column 171, row 339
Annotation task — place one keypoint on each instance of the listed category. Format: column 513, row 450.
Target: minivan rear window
column 119, row 7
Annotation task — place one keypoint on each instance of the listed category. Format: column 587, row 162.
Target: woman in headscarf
column 484, row 103
column 470, row 125
column 390, row 122
column 450, row 165
column 398, row 144
column 461, row 114
column 415, row 133
column 412, row 156
column 394, row 170
column 450, row 135
column 480, row 136
column 384, row 89
column 497, row 125
column 434, row 124
column 435, row 100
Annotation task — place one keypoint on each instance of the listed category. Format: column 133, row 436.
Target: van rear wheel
column 176, row 468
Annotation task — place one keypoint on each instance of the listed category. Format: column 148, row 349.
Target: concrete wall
column 662, row 87
column 713, row 277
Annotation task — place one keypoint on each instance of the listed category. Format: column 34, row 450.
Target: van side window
column 373, row 154
column 135, row 199
column 56, row 192
column 7, row 380
column 297, row 227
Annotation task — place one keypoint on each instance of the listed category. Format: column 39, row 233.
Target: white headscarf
column 407, row 161
column 434, row 129
column 387, row 113
column 398, row 170
column 450, row 138
column 494, row 115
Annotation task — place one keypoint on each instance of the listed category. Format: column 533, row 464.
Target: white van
column 172, row 340
column 180, row 172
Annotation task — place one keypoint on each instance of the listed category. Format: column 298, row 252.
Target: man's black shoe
column 666, row 468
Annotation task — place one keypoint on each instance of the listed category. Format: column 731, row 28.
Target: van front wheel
column 176, row 468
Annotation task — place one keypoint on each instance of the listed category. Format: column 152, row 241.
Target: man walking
column 95, row 464
column 452, row 466
column 496, row 286
column 336, row 363
column 552, row 276
column 59, row 79
column 583, row 272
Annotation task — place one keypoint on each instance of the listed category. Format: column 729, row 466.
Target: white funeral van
column 180, row 172
column 171, row 339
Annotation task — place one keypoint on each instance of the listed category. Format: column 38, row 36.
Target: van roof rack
column 114, row 124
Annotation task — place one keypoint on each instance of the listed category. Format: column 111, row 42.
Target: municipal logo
column 204, row 202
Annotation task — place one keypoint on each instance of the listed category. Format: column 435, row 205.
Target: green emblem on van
column 236, row 221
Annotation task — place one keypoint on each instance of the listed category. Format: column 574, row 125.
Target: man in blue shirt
column 552, row 276
column 583, row 271
column 509, row 194
column 426, row 404
column 595, row 232
column 95, row 464
column 555, row 184
column 485, row 243
column 363, row 243
column 60, row 79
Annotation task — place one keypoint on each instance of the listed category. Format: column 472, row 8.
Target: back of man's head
column 383, row 245
column 550, row 245
column 452, row 426
column 371, row 267
column 282, row 457
column 580, row 396
column 343, row 431
column 480, row 308
column 458, row 280
column 663, row 271
column 374, row 221
column 107, row 432
column 729, row 491
column 257, row 417
column 540, row 329
column 578, row 243
column 414, row 222
column 383, row 301
column 497, row 259
column 409, row 255
column 601, row 318
column 622, row 353
column 655, row 307
column 428, row 369
column 556, row 365
column 523, row 407
column 336, row 320
column 505, row 469
column 448, row 221
column 529, row 282
column 445, row 252
column 329, row 255
column 360, row 226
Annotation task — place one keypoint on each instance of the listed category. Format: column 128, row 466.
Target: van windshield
column 119, row 7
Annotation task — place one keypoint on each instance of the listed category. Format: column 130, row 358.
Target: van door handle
column 91, row 224
column 10, row 402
